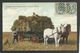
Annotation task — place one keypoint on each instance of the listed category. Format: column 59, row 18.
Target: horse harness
column 53, row 34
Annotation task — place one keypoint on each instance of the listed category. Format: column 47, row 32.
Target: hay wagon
column 32, row 27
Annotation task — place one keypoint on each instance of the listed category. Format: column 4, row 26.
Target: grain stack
column 34, row 23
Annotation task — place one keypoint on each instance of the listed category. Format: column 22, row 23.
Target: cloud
column 10, row 12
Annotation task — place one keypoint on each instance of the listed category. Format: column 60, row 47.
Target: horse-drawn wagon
column 32, row 27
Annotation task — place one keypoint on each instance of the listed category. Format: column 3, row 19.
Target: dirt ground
column 30, row 46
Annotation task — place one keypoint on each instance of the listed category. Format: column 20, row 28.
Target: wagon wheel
column 34, row 38
column 21, row 37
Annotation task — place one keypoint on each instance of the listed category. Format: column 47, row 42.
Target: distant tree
column 61, row 8
column 66, row 8
column 71, row 8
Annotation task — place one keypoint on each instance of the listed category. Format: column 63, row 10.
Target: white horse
column 52, row 33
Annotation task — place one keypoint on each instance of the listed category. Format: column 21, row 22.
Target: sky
column 11, row 11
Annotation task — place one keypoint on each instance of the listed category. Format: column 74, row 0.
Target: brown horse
column 66, row 29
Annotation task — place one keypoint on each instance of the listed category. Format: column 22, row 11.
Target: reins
column 53, row 34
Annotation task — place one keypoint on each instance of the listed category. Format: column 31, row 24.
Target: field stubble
column 30, row 46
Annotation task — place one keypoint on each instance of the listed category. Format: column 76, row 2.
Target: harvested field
column 30, row 46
